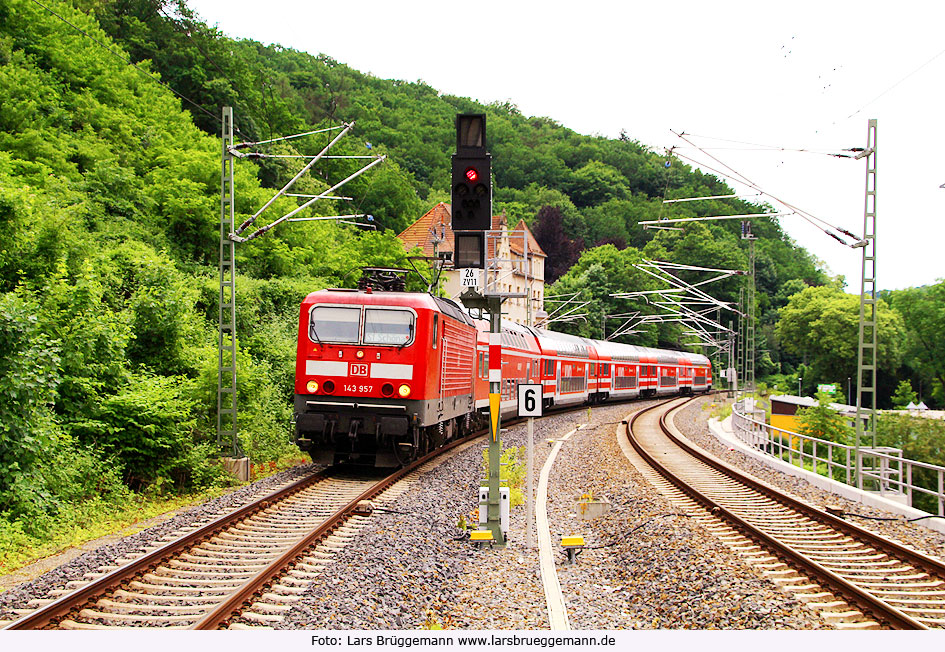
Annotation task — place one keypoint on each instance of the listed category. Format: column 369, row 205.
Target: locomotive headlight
column 312, row 386
column 360, row 354
column 404, row 391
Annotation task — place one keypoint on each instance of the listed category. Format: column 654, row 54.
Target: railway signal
column 471, row 191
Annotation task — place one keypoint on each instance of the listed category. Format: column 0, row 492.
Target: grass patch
column 512, row 471
column 720, row 411
column 78, row 524
column 91, row 519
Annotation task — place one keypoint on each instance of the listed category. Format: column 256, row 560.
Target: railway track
column 242, row 570
column 856, row 579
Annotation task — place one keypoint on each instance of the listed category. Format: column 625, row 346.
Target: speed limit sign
column 529, row 400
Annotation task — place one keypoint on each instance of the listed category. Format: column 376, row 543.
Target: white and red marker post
column 495, row 403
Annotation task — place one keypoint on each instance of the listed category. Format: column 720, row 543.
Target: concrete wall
column 723, row 432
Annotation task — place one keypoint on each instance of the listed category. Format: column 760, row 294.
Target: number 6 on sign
column 529, row 400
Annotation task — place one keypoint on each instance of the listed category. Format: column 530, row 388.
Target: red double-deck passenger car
column 382, row 377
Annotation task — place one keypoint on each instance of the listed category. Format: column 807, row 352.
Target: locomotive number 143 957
column 360, row 389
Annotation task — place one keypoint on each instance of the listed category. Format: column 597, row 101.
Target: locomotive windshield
column 388, row 327
column 342, row 325
column 331, row 324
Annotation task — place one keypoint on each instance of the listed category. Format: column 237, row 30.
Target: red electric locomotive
column 381, row 377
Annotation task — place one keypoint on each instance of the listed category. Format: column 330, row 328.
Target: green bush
column 29, row 375
column 148, row 426
column 920, row 439
column 824, row 422
column 512, row 471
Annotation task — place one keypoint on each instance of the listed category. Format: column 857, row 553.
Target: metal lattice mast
column 226, row 379
column 866, row 351
column 740, row 340
column 750, row 312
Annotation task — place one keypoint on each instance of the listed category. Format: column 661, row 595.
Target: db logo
column 359, row 369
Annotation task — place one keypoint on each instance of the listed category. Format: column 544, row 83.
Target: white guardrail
column 882, row 469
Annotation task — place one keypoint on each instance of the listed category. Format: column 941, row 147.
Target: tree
column 820, row 324
column 596, row 183
column 562, row 252
column 904, row 395
column 823, row 422
column 600, row 272
column 923, row 310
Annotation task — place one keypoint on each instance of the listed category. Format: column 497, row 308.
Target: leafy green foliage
column 28, row 380
column 920, row 439
column 923, row 309
column 600, row 272
column 824, row 422
column 821, row 324
column 512, row 471
column 904, row 395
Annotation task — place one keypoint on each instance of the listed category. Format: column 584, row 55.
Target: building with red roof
column 514, row 260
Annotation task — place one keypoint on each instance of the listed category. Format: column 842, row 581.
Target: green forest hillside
column 596, row 190
column 109, row 213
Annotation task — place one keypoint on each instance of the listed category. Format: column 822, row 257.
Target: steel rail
column 224, row 611
column 930, row 565
column 846, row 589
column 48, row 614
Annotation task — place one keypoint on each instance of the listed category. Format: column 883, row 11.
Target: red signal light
column 472, row 174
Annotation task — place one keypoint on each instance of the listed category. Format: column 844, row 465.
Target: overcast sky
column 804, row 75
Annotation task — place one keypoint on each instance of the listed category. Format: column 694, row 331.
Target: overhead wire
column 741, row 178
column 762, row 147
column 896, row 84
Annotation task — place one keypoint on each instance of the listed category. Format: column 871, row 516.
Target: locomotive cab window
column 333, row 324
column 394, row 327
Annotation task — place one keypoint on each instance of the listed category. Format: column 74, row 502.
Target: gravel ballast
column 691, row 421
column 106, row 555
column 411, row 571
column 645, row 566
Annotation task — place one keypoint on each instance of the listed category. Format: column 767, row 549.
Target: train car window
column 394, row 327
column 333, row 324
column 436, row 322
